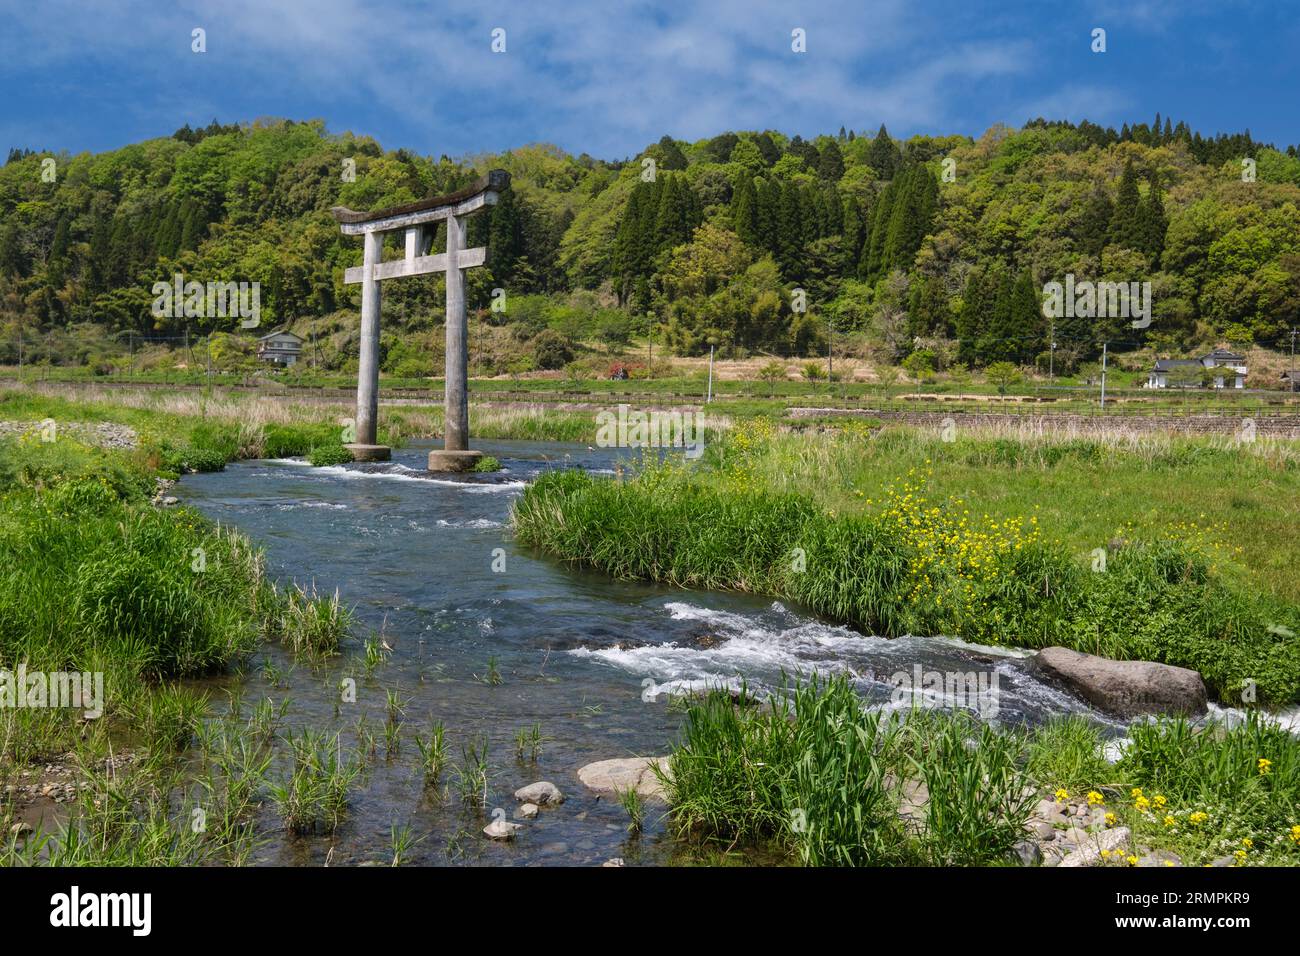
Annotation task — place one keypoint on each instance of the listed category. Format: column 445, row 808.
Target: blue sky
column 609, row 77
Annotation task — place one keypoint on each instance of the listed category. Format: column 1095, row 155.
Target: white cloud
column 606, row 77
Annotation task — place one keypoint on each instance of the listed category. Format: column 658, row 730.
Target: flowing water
column 429, row 562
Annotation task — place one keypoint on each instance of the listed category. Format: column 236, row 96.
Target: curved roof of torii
column 494, row 181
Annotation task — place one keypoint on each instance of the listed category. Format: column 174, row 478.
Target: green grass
column 817, row 776
column 822, row 776
column 1197, row 790
column 1066, row 752
column 314, row 795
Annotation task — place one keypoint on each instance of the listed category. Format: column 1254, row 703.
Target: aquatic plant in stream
column 528, row 742
column 402, row 841
column 631, row 802
column 473, row 774
column 314, row 795
column 312, row 624
column 329, row 454
column 433, row 753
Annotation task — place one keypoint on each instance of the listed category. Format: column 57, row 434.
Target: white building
column 1186, row 373
column 280, row 348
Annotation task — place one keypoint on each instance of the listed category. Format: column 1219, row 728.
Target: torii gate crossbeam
column 417, row 220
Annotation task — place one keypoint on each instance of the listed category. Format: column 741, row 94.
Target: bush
column 323, row 455
column 551, row 350
column 181, row 460
column 487, row 463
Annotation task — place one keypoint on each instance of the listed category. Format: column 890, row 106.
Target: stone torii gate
column 419, row 221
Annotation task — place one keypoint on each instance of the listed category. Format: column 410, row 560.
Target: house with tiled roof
column 1229, row 371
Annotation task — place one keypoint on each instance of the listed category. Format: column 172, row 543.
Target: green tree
column 1003, row 375
column 744, row 210
column 1126, row 226
column 772, row 372
column 883, row 155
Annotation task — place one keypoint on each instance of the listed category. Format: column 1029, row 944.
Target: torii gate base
column 444, row 460
column 369, row 452
column 416, row 221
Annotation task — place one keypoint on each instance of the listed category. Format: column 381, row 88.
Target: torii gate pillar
column 416, row 220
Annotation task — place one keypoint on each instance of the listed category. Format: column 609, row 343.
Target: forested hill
column 937, row 243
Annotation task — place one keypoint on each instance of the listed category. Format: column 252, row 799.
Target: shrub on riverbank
column 917, row 567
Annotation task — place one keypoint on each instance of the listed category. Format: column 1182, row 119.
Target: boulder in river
column 625, row 773
column 543, row 793
column 1126, row 688
column 501, row 829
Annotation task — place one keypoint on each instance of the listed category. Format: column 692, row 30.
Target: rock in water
column 502, row 829
column 542, row 793
column 1127, row 688
column 527, row 811
column 623, row 774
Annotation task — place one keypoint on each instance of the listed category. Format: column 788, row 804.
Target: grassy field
column 1236, row 502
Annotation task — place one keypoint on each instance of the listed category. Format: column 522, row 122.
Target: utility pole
column 1051, row 359
column 1291, row 377
column 710, row 396
column 1103, row 375
column 830, row 349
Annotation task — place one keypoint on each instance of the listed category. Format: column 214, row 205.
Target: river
column 429, row 562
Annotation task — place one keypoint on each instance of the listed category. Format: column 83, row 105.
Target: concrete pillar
column 456, row 401
column 368, row 370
